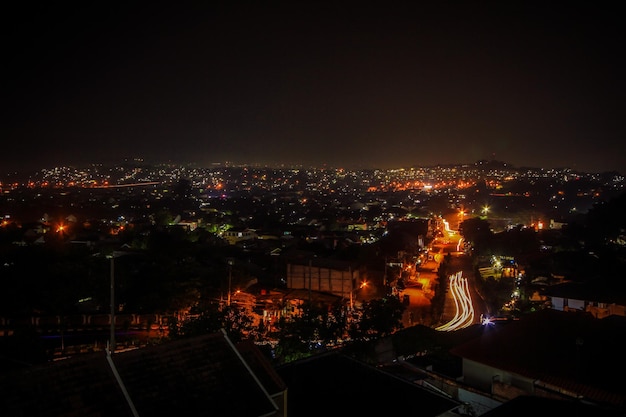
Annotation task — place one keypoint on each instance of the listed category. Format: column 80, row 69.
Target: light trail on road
column 464, row 314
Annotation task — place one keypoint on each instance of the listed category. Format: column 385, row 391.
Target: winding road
column 460, row 292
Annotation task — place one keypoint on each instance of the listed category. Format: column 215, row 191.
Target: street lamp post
column 112, row 335
column 353, row 293
column 230, row 279
column 112, row 257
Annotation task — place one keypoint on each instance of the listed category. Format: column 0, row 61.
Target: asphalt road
column 420, row 287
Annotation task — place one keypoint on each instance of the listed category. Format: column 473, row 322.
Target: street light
column 354, row 290
column 112, row 257
column 461, row 216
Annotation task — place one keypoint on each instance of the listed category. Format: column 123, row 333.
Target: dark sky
column 356, row 85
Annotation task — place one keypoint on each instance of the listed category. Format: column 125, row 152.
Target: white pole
column 112, row 338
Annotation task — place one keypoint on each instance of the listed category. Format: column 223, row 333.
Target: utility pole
column 112, row 336
column 230, row 279
column 310, row 266
column 385, row 273
column 351, row 288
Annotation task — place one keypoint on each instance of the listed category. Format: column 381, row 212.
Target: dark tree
column 212, row 319
column 380, row 317
column 478, row 232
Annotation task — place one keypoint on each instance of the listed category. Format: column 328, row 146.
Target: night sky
column 356, row 85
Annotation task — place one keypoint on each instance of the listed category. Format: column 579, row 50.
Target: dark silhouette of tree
column 478, row 232
column 441, row 288
column 603, row 225
column 517, row 242
column 211, row 319
column 182, row 190
column 379, row 318
column 317, row 327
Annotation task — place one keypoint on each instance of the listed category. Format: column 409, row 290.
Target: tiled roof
column 204, row 376
column 314, row 296
column 261, row 367
column 572, row 351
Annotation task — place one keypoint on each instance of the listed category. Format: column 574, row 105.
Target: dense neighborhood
column 303, row 263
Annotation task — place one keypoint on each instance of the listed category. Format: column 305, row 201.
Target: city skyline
column 355, row 87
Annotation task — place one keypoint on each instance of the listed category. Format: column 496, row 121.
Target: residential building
column 549, row 354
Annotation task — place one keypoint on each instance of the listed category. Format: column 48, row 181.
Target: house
column 206, row 375
column 575, row 296
column 340, row 278
column 235, row 236
column 549, row 354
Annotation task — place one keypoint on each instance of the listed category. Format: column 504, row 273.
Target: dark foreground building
column 206, row 375
column 569, row 356
column 333, row 384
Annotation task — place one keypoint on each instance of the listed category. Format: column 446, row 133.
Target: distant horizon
column 277, row 165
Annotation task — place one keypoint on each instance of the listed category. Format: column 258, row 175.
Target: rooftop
column 174, row 378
